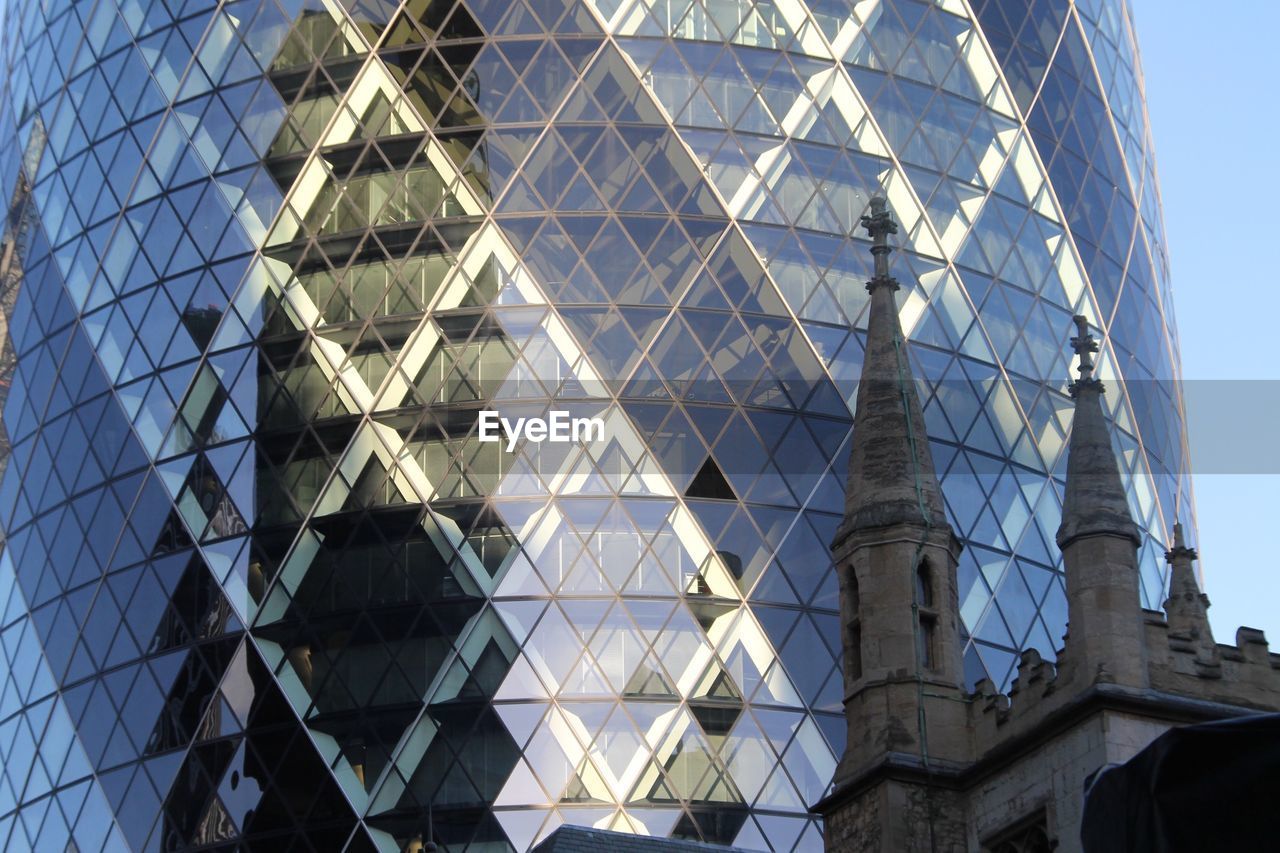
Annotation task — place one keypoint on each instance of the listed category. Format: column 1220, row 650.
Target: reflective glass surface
column 265, row 263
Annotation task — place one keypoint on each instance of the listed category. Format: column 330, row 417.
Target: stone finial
column 1094, row 502
column 891, row 475
column 1099, row 543
column 880, row 225
column 1179, row 548
column 1187, row 608
column 1085, row 346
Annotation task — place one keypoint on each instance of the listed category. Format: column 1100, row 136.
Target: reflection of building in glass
column 14, row 246
column 263, row 580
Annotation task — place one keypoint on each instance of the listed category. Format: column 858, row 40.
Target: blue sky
column 1209, row 82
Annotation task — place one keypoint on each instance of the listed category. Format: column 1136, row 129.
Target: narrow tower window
column 924, row 585
column 854, row 650
column 927, row 619
column 928, row 627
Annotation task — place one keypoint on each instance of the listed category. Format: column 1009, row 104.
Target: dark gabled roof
column 583, row 839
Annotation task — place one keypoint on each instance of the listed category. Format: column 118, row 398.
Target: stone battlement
column 1240, row 677
column 1246, row 674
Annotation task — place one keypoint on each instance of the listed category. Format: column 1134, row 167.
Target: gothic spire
column 1187, row 608
column 891, row 476
column 1094, row 503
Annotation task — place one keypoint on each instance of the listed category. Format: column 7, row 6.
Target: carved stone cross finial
column 1085, row 346
column 880, row 224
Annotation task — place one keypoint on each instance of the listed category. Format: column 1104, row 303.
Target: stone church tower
column 931, row 766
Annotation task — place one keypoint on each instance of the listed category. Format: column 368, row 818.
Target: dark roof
column 584, row 839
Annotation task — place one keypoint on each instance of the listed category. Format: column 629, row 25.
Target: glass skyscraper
column 265, row 263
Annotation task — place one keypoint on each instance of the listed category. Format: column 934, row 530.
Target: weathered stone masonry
column 931, row 766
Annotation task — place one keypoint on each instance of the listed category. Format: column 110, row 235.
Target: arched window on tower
column 854, row 629
column 926, row 615
column 924, row 584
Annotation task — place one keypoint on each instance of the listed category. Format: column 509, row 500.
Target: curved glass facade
column 265, row 264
